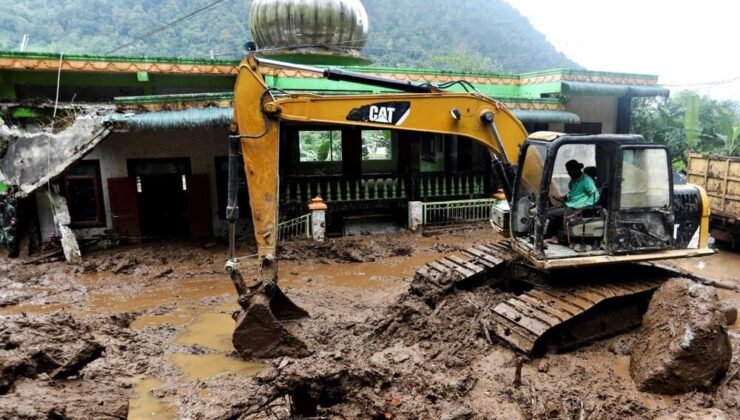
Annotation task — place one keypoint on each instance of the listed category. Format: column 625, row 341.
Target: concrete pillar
column 62, row 220
column 416, row 216
column 318, row 219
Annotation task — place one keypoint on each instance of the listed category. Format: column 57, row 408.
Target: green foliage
column 688, row 122
column 472, row 35
column 320, row 146
column 465, row 62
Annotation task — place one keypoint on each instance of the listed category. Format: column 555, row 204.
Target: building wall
column 594, row 109
column 200, row 146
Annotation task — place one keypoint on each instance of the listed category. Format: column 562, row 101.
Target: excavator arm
column 258, row 114
column 255, row 132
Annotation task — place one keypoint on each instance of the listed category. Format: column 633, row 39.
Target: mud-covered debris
column 163, row 273
column 125, row 266
column 730, row 311
column 77, row 399
column 349, row 249
column 55, row 345
column 702, row 414
column 683, row 344
column 457, row 412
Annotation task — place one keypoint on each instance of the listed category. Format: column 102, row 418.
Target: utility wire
column 712, row 83
column 167, row 26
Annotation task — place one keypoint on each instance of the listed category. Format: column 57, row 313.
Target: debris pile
column 348, row 249
column 42, row 359
column 683, row 344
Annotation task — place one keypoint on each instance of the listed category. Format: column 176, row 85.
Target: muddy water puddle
column 212, row 330
column 206, row 366
column 365, row 276
column 144, row 405
column 160, row 295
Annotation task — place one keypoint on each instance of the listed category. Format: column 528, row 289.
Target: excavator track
column 526, row 319
column 564, row 310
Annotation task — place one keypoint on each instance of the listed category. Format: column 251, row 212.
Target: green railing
column 293, row 228
column 439, row 185
column 456, row 212
column 335, row 189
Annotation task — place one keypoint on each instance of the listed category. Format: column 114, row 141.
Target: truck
column 720, row 178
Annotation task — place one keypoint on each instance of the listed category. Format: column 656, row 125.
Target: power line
column 700, row 84
column 167, row 26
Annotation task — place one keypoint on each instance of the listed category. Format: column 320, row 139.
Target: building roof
column 150, row 84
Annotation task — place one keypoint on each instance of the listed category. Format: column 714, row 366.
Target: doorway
column 161, row 187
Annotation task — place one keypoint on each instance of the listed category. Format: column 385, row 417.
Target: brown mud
column 161, row 314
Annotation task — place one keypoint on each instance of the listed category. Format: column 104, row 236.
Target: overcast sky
column 686, row 43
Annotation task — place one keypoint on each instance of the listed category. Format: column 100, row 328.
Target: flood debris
column 55, row 345
column 33, row 158
column 683, row 344
column 62, row 219
column 347, row 249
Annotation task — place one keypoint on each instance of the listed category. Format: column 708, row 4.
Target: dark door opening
column 161, row 186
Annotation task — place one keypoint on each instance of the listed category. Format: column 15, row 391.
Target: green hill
column 473, row 35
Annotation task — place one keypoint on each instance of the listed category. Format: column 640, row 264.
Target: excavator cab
column 630, row 217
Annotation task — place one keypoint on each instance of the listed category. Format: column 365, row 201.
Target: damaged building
column 138, row 146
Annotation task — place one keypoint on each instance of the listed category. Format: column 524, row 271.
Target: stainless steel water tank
column 310, row 28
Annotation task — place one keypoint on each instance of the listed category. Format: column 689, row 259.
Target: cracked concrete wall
column 33, row 158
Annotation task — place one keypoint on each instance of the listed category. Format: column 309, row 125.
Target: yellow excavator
column 641, row 216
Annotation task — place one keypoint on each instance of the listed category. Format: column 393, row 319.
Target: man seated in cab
column 582, row 193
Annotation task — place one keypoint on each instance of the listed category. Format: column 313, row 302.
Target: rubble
column 54, row 345
column 683, row 344
column 33, row 158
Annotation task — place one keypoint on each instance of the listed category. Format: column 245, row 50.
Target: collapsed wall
column 31, row 159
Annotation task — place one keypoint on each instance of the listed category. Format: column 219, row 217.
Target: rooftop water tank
column 310, row 31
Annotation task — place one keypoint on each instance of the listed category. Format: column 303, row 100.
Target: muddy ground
column 144, row 332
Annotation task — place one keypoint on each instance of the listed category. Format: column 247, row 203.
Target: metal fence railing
column 293, row 228
column 457, row 212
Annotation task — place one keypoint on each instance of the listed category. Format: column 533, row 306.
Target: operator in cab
column 582, row 193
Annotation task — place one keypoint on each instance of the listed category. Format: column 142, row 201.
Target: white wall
column 596, row 109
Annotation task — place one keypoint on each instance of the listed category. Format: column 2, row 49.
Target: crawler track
column 572, row 308
column 524, row 320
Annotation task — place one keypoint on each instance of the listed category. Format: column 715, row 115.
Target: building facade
column 161, row 172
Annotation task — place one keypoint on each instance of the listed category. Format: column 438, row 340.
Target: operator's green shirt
column 582, row 192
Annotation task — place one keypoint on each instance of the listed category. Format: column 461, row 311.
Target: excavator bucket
column 259, row 331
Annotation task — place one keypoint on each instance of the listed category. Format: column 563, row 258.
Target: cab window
column 645, row 182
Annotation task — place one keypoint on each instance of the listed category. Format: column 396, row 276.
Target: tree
column 688, row 122
column 468, row 62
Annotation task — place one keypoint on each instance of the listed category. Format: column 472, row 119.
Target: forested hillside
column 472, row 35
